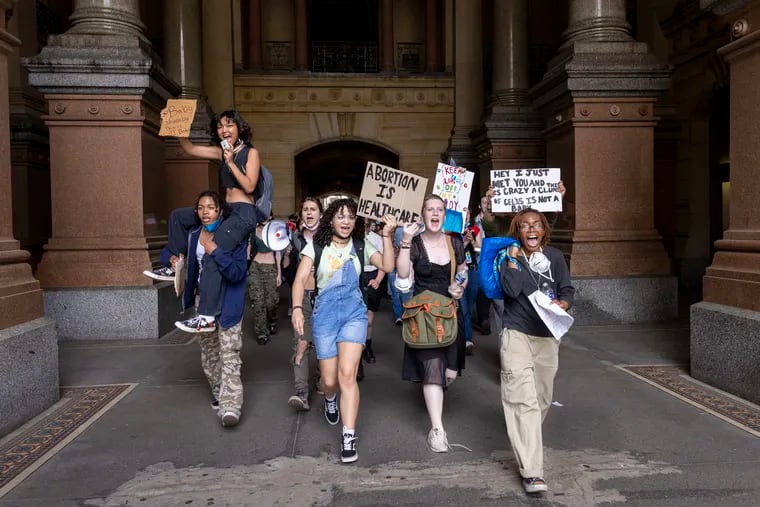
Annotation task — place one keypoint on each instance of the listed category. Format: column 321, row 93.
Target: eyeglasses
column 536, row 226
column 341, row 218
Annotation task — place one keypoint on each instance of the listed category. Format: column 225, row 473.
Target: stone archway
column 337, row 167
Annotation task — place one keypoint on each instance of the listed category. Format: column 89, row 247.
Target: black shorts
column 373, row 295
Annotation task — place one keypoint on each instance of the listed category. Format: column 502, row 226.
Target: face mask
column 313, row 227
column 539, row 263
column 213, row 225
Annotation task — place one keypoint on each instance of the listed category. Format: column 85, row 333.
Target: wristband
column 404, row 244
column 298, row 307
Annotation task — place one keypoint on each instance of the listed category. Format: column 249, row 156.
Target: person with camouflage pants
column 264, row 277
column 220, row 360
column 220, row 345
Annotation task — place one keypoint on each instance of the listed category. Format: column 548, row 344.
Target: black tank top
column 226, row 178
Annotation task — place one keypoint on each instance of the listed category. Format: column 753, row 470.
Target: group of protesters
column 334, row 260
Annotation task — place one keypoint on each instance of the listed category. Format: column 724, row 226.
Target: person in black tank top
column 429, row 256
column 239, row 174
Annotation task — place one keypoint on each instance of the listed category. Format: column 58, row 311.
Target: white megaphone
column 275, row 235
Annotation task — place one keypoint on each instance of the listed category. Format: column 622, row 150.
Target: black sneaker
column 196, row 325
column 534, row 484
column 262, row 340
column 165, row 273
column 299, row 401
column 332, row 412
column 348, row 453
column 272, row 328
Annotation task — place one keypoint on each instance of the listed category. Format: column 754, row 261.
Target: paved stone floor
column 628, row 426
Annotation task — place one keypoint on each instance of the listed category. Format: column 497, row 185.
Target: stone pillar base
column 624, row 300
column 29, row 369
column 725, row 348
column 93, row 268
column 113, row 313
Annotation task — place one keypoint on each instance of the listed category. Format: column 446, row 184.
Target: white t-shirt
column 377, row 242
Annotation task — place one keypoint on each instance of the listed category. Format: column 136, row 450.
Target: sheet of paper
column 556, row 319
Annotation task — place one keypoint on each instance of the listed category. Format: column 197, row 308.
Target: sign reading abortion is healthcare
column 389, row 191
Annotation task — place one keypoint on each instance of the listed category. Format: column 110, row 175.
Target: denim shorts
column 338, row 316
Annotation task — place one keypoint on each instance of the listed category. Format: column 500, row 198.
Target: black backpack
column 359, row 249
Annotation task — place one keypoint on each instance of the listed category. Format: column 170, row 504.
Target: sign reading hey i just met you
column 516, row 189
column 389, row 191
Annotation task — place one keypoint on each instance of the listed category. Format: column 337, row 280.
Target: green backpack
column 430, row 319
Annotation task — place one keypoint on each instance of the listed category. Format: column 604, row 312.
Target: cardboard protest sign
column 390, row 191
column 454, row 185
column 177, row 117
column 516, row 189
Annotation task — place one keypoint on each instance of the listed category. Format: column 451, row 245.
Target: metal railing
column 344, row 57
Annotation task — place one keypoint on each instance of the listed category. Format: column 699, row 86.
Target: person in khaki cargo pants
column 529, row 352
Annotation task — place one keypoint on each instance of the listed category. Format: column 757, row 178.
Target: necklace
column 339, row 244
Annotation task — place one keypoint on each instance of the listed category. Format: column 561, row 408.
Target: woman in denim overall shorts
column 339, row 319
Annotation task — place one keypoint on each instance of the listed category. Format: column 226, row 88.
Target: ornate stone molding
column 359, row 95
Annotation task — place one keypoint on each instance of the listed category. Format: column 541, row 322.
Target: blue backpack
column 493, row 253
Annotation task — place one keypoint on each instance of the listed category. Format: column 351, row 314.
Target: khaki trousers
column 528, row 366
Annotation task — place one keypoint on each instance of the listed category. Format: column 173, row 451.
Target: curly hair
column 324, row 233
column 245, row 133
column 514, row 226
column 221, row 204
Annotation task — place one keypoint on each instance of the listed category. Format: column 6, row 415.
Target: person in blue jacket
column 220, row 349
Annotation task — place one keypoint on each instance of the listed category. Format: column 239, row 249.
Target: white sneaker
column 534, row 485
column 229, row 419
column 437, row 440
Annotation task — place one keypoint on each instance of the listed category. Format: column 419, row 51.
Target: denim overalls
column 340, row 314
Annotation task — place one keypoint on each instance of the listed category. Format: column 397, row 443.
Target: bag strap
column 358, row 249
column 453, row 258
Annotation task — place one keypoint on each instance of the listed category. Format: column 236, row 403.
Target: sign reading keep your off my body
column 390, row 191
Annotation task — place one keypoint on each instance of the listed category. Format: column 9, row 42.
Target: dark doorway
column 344, row 35
column 337, row 168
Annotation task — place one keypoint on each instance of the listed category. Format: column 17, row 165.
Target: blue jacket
column 234, row 269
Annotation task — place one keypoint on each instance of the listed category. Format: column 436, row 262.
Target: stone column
column 597, row 100
column 387, row 60
column 29, row 142
column 725, row 326
column 468, row 62
column 28, row 343
column 431, row 36
column 301, row 11
column 104, row 91
column 217, row 54
column 254, row 35
column 510, row 136
column 183, row 59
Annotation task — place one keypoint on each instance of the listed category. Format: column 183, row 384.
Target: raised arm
column 196, row 150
